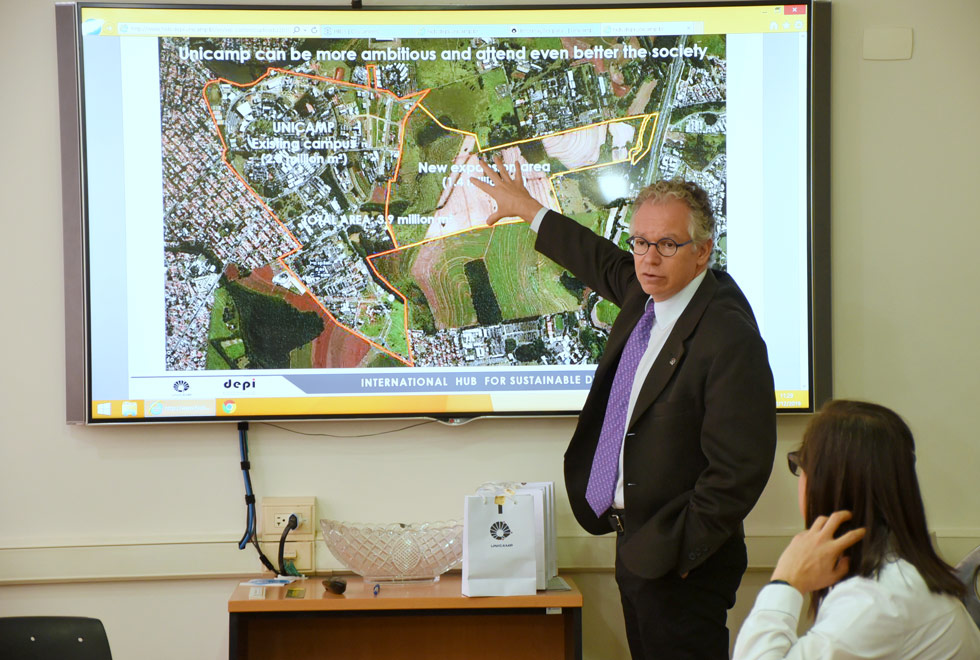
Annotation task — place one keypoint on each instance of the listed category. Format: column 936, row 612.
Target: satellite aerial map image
column 318, row 208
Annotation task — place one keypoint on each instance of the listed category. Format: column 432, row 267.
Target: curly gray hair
column 701, row 225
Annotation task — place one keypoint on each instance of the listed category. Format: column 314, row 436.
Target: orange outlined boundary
column 638, row 151
column 281, row 259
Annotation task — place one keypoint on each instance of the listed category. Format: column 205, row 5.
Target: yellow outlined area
column 641, row 147
column 637, row 152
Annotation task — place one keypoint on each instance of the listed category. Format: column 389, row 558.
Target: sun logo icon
column 499, row 530
column 182, row 386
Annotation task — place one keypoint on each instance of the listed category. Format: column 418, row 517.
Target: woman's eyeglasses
column 793, row 459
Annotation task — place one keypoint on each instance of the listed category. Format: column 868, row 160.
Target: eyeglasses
column 667, row 247
column 793, row 459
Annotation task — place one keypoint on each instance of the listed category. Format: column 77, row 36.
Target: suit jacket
column 700, row 443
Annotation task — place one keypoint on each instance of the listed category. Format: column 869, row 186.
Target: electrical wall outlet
column 275, row 518
column 300, row 553
column 281, row 520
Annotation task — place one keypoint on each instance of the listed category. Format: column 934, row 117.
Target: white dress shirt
column 894, row 616
column 667, row 313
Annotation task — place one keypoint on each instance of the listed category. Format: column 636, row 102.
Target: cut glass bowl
column 396, row 552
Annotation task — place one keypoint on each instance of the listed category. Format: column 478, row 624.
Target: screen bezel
column 75, row 221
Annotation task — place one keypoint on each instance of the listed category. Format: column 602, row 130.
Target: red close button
column 789, row 10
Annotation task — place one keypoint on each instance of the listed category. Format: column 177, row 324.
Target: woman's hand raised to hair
column 814, row 558
column 508, row 191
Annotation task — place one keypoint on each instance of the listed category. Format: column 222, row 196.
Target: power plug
column 281, row 520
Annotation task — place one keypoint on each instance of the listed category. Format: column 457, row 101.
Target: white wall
column 83, row 504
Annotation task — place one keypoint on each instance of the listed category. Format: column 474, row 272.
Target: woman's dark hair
column 860, row 457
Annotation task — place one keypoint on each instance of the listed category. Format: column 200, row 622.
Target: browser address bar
column 299, row 30
column 661, row 28
column 217, row 30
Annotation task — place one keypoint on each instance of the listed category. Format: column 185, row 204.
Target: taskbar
column 364, row 406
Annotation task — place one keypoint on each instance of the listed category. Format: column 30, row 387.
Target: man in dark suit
column 676, row 439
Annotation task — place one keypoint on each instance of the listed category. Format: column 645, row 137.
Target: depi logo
column 181, row 386
column 499, row 530
column 240, row 384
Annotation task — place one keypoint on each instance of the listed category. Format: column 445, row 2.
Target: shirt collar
column 668, row 311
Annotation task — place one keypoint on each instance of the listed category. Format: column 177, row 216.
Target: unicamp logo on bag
column 499, row 531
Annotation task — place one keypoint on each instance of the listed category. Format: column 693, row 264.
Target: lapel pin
column 673, row 361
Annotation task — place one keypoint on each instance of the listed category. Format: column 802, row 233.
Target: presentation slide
column 281, row 219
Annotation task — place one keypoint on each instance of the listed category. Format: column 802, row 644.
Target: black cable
column 249, row 499
column 291, row 525
column 358, row 435
column 265, row 560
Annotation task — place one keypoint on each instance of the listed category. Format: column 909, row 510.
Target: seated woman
column 878, row 589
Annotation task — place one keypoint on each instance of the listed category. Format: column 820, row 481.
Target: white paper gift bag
column 551, row 534
column 539, row 492
column 498, row 545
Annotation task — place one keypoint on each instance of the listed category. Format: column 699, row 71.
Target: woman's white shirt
column 891, row 616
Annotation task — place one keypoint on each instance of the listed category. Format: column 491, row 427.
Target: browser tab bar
column 216, row 30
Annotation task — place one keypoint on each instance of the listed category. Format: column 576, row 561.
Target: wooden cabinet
column 403, row 621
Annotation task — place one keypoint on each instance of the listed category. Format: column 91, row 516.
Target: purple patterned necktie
column 605, row 463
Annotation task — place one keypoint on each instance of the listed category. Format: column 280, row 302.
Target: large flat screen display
column 278, row 221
